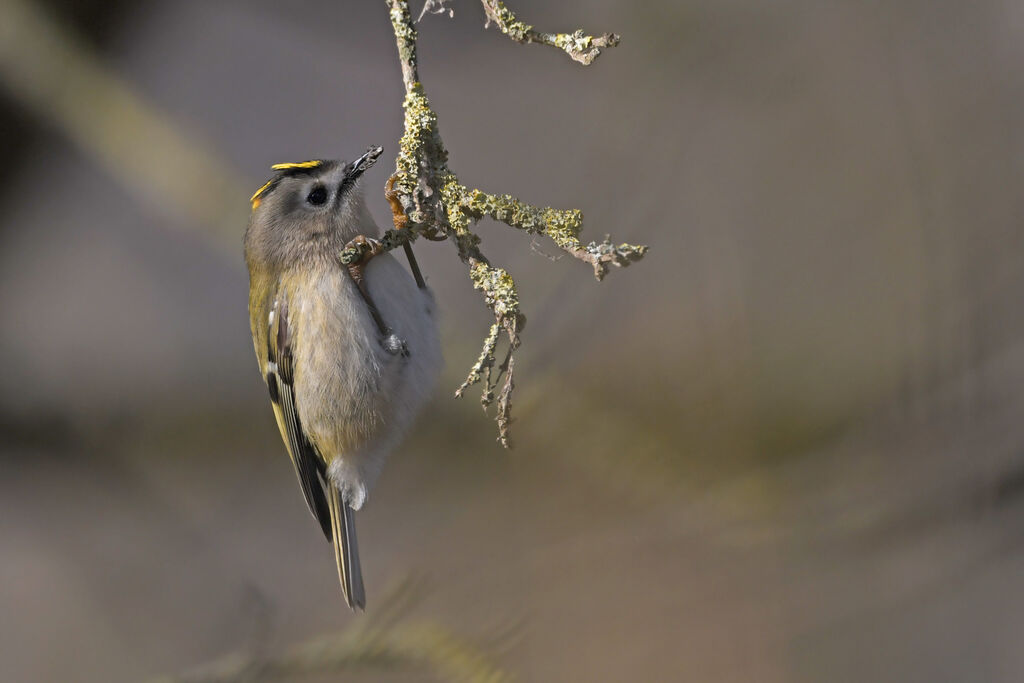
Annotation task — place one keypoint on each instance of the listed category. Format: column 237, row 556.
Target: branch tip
column 579, row 46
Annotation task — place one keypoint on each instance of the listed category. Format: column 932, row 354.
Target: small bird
column 349, row 352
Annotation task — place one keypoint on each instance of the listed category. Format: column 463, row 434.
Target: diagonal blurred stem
column 47, row 68
column 385, row 640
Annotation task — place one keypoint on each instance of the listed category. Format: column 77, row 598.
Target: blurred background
column 787, row 446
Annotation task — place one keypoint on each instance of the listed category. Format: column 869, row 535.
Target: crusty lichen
column 507, row 22
column 438, row 205
column 578, row 45
column 486, row 359
column 420, row 121
column 351, row 254
column 498, row 287
column 405, row 38
column 563, row 226
column 502, row 297
column 421, row 153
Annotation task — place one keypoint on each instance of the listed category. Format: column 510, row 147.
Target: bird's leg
column 401, row 222
column 398, row 216
column 356, row 254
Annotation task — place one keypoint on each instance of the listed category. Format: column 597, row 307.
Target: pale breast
column 354, row 398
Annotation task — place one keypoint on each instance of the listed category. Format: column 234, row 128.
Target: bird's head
column 309, row 206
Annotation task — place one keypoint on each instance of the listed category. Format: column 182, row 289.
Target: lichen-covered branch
column 562, row 226
column 581, row 47
column 439, row 206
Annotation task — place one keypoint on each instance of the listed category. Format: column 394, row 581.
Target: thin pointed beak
column 360, row 165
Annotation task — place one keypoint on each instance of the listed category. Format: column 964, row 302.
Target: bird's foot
column 356, row 254
column 395, row 345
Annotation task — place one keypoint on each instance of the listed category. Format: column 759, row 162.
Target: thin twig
column 436, row 203
column 435, row 7
column 581, row 47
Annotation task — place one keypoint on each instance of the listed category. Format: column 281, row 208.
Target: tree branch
column 39, row 57
column 562, row 226
column 581, row 47
column 437, row 204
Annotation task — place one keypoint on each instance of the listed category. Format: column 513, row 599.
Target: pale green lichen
column 502, row 297
column 392, row 239
column 350, row 254
column 436, row 203
column 604, row 254
column 621, row 254
column 486, row 360
column 508, row 23
column 578, row 45
column 563, row 226
column 583, row 48
column 574, row 42
column 499, row 289
column 405, row 34
column 419, row 136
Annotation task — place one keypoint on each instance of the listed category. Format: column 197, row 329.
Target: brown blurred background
column 785, row 447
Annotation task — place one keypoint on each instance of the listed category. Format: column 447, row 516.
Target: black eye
column 317, row 196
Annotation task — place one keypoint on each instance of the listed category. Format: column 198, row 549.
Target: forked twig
column 438, row 205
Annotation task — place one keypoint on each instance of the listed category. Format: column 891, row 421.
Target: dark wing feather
column 308, row 465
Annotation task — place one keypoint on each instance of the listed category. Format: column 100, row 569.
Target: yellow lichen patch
column 486, row 360
column 514, row 28
column 498, row 287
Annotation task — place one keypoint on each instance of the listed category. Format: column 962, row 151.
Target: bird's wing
column 279, row 374
column 335, row 516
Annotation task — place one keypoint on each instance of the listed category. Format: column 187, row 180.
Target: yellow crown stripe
column 297, row 164
column 260, row 191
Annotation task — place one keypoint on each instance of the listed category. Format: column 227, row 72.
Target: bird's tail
column 346, row 549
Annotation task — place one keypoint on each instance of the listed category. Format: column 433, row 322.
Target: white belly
column 354, row 398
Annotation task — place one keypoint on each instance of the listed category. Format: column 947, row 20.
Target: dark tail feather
column 346, row 549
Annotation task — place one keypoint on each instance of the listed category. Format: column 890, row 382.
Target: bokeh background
column 787, row 446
